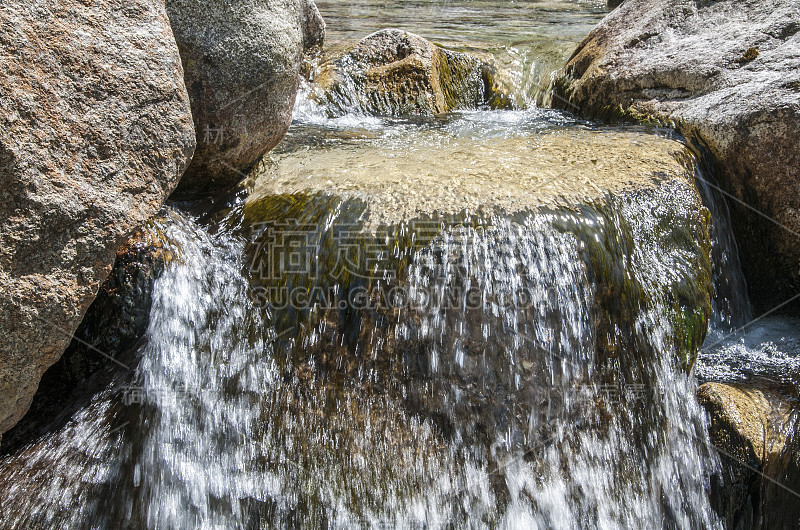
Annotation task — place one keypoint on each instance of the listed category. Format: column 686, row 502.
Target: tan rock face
column 95, row 131
column 727, row 74
column 747, row 422
column 242, row 61
column 749, row 427
column 396, row 73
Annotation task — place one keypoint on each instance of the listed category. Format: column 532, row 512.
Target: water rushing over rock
column 504, row 391
column 475, row 320
column 163, row 446
column 535, row 342
column 527, row 40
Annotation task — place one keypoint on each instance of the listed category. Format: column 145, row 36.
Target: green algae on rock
column 624, row 203
column 397, row 73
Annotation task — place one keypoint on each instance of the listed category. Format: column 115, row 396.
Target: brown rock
column 395, row 73
column 727, row 74
column 748, row 428
column 95, row 131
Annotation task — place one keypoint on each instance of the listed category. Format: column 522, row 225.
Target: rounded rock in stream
column 241, row 62
column 397, row 73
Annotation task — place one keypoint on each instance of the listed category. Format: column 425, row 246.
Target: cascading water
column 165, row 439
column 483, row 399
column 738, row 347
column 315, row 365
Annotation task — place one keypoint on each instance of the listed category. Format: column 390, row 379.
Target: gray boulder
column 242, row 61
column 727, row 75
column 95, row 132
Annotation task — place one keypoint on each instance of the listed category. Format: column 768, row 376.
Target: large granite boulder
column 727, row 75
column 395, row 73
column 95, row 132
column 242, row 61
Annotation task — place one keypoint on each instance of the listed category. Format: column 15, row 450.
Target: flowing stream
column 312, row 360
column 477, row 408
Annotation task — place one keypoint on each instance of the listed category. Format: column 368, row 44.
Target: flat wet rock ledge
column 433, row 172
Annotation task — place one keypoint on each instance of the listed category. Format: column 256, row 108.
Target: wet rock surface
column 95, row 131
column 407, row 222
column 749, row 426
column 395, row 73
column 242, row 63
column 726, row 74
column 402, row 178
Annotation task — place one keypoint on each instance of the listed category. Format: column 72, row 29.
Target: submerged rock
column 449, row 273
column 397, row 73
column 727, row 74
column 95, row 131
column 242, row 62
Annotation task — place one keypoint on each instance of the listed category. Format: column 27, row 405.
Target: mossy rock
column 620, row 251
column 706, row 69
column 396, row 73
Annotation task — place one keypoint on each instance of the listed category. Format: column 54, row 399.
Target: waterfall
column 316, row 366
column 738, row 347
column 170, row 444
column 478, row 398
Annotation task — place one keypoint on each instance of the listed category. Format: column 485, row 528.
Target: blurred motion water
column 470, row 368
column 464, row 414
